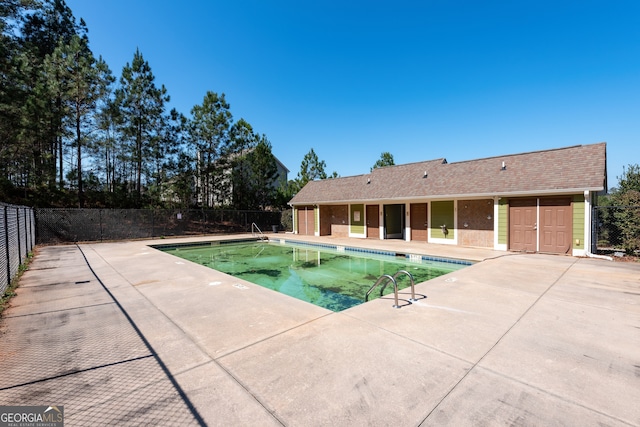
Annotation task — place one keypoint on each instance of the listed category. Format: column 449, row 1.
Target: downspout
column 605, row 257
column 589, row 244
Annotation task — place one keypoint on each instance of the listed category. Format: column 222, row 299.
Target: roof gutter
column 550, row 192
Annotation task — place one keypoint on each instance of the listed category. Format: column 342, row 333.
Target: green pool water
column 329, row 278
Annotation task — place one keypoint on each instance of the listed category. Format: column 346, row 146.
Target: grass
column 10, row 292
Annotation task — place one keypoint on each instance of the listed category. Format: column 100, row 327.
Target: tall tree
column 12, row 94
column 165, row 155
column 243, row 142
column 49, row 25
column 386, row 159
column 142, row 107
column 311, row 168
column 82, row 81
column 630, row 179
column 264, row 173
column 209, row 136
column 626, row 208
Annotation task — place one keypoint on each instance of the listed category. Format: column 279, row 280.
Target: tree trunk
column 79, row 144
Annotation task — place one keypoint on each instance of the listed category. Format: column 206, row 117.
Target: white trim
column 537, row 224
column 496, row 223
column 381, row 221
column 586, row 227
column 407, row 222
column 420, row 199
column 316, row 233
column 294, row 220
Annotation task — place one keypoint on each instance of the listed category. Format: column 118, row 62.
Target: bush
column 286, row 219
column 627, row 221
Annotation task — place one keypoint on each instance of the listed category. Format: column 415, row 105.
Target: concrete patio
column 122, row 334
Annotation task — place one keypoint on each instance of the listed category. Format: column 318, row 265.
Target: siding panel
column 442, row 213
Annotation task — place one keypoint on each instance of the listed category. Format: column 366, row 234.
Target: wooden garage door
column 373, row 221
column 556, row 225
column 523, row 234
column 419, row 224
column 306, row 222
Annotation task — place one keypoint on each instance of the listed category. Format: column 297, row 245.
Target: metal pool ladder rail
column 255, row 230
column 385, row 278
column 413, row 284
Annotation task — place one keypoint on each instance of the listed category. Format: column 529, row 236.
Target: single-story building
column 536, row 202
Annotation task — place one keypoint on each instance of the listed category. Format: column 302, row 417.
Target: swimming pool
column 329, row 276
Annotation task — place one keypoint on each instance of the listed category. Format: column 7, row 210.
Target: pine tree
column 386, row 159
column 82, row 81
column 209, row 137
column 49, row 25
column 142, row 107
column 264, row 174
column 243, row 142
column 311, row 169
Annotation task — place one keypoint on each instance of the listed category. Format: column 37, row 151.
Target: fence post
column 26, row 232
column 18, row 234
column 594, row 230
column 28, row 227
column 6, row 247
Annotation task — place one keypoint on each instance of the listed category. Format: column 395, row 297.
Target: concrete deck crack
column 78, row 371
column 57, row 311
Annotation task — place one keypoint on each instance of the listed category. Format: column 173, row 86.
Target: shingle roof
column 562, row 170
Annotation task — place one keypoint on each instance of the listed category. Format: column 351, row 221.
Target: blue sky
column 422, row 80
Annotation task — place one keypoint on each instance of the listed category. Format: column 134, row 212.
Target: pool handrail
column 413, row 284
column 254, row 227
column 384, row 277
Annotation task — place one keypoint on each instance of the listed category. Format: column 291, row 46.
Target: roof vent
column 368, row 180
column 425, row 174
column 504, row 167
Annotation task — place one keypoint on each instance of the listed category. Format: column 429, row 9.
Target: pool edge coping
column 339, row 248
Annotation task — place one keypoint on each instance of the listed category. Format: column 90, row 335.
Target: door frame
column 528, row 202
column 387, row 209
column 372, row 232
column 306, row 212
column 538, row 226
column 421, row 233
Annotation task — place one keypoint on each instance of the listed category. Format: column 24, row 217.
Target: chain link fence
column 17, row 238
column 82, row 225
column 616, row 229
